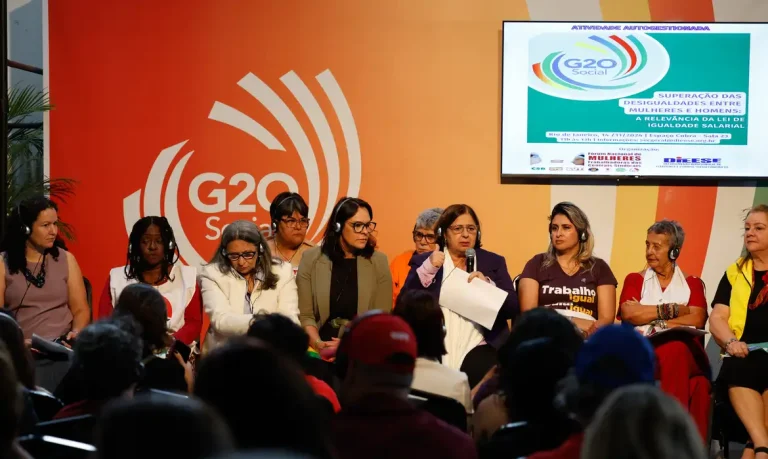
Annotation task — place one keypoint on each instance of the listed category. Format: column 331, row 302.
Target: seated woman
column 662, row 296
column 419, row 309
column 458, row 229
column 243, row 279
column 289, row 212
column 343, row 277
column 568, row 278
column 40, row 283
column 739, row 319
column 153, row 260
column 424, row 240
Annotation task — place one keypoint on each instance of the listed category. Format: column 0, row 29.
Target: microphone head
column 470, row 252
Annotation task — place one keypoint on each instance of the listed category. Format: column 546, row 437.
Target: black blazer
column 494, row 267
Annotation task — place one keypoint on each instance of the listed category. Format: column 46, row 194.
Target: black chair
column 519, row 439
column 445, row 408
column 516, row 283
column 45, row 405
column 89, row 294
column 726, row 425
column 76, row 428
column 478, row 362
column 55, row 448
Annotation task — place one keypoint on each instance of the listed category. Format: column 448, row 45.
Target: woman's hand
column 189, row 372
column 737, row 349
column 478, row 275
column 321, row 345
column 437, row 258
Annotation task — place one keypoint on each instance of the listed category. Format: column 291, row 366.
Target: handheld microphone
column 440, row 239
column 470, row 260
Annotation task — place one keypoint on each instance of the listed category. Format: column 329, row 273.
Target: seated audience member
column 153, row 259
column 289, row 214
column 424, row 240
column 376, row 359
column 170, row 427
column 568, row 277
column 107, row 362
column 343, row 277
column 243, row 279
column 739, row 319
column 458, row 230
column 290, row 339
column 13, row 338
column 163, row 371
column 535, row 423
column 641, row 422
column 615, row 356
column 11, row 408
column 41, row 283
column 420, row 310
column 263, row 397
column 661, row 297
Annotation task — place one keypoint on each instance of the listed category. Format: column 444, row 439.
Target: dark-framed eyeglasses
column 418, row 236
column 459, row 229
column 358, row 227
column 234, row 256
column 301, row 223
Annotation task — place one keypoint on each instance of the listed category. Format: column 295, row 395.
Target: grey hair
column 428, row 218
column 671, row 228
column 244, row 230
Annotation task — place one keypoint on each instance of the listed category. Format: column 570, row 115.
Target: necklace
column 39, row 280
column 277, row 247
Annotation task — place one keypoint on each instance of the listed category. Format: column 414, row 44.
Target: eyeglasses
column 419, row 236
column 296, row 224
column 358, row 227
column 244, row 255
column 459, row 229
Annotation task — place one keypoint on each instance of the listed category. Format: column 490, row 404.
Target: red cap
column 376, row 339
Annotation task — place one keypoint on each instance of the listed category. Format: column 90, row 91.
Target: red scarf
column 763, row 295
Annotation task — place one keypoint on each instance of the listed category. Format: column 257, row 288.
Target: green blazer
column 374, row 286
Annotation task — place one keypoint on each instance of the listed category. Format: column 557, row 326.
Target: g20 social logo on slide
column 161, row 194
column 595, row 67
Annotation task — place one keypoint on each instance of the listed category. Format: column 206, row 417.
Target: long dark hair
column 135, row 266
column 147, row 307
column 285, row 204
column 14, row 242
column 449, row 215
column 421, row 311
column 345, row 209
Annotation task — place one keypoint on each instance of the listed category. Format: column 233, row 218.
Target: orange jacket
column 400, row 269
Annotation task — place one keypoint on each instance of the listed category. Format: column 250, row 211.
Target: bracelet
column 728, row 343
column 317, row 344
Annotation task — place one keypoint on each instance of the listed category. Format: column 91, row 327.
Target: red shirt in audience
column 320, row 387
column 80, row 408
column 571, row 449
column 383, row 426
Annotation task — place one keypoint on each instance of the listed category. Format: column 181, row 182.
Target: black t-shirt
column 343, row 302
column 756, row 325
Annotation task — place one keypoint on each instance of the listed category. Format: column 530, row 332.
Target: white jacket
column 224, row 301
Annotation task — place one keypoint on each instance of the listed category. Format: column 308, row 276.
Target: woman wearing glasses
column 458, row 230
column 242, row 280
column 424, row 240
column 343, row 277
column 288, row 213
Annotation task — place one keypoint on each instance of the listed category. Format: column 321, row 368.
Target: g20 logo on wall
column 595, row 67
column 210, row 193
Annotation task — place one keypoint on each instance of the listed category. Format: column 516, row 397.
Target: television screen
column 634, row 100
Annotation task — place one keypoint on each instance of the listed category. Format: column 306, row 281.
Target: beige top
column 294, row 260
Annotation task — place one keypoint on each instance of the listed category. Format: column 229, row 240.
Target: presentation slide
column 634, row 100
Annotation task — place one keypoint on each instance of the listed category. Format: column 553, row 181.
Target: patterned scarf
column 763, row 295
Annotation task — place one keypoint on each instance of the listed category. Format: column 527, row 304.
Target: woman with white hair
column 424, row 240
column 242, row 280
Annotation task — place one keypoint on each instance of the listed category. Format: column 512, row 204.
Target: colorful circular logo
column 595, row 67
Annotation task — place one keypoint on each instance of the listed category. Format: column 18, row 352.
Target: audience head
column 641, row 422
column 569, row 230
column 663, row 244
column 107, row 359
column 170, row 426
column 33, row 223
column 11, row 405
column 756, row 230
column 289, row 214
column 542, row 323
column 282, row 334
column 349, row 230
column 424, row 230
column 377, row 354
column 422, row 313
column 458, row 228
column 243, row 250
column 615, row 356
column 13, row 337
column 274, row 400
column 147, row 307
column 151, row 243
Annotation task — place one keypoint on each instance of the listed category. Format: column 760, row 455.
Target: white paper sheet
column 478, row 301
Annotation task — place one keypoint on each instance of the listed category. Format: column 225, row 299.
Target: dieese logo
column 693, row 161
column 593, row 67
column 161, row 194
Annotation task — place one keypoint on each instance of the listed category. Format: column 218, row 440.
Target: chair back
column 520, row 439
column 48, row 447
column 89, row 295
column 516, row 283
column 444, row 408
column 76, row 428
column 45, row 405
